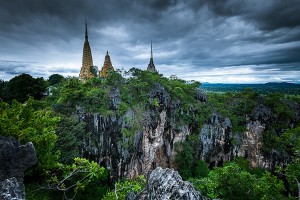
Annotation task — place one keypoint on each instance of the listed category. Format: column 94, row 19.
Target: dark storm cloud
column 59, row 70
column 268, row 15
column 188, row 36
column 13, row 67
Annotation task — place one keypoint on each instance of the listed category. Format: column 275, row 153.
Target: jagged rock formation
column 219, row 144
column 167, row 184
column 152, row 143
column 12, row 189
column 215, row 139
column 157, row 129
column 201, row 96
column 14, row 160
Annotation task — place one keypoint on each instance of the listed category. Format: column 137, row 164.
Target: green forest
column 44, row 112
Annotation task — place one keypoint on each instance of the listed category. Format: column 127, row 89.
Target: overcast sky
column 234, row 41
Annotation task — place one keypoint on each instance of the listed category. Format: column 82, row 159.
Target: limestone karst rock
column 215, row 140
column 167, row 184
column 14, row 160
column 201, row 96
column 217, row 136
column 12, row 189
column 152, row 144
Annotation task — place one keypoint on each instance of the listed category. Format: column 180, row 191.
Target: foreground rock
column 167, row 184
column 12, row 189
column 14, row 160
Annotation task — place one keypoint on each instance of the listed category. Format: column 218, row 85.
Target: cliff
column 129, row 151
column 134, row 124
column 151, row 143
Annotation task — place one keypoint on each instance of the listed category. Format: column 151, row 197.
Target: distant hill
column 281, row 84
column 282, row 87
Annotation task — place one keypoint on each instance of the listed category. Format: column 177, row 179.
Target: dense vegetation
column 43, row 112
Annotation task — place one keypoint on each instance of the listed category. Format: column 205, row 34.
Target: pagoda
column 87, row 68
column 151, row 66
column 107, row 66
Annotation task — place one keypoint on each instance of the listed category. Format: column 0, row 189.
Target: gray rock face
column 167, row 184
column 114, row 95
column 261, row 113
column 248, row 143
column 219, row 144
column 159, row 125
column 151, row 144
column 15, row 158
column 201, row 96
column 163, row 97
column 12, row 189
column 215, row 139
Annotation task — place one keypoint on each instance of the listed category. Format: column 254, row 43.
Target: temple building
column 151, row 66
column 107, row 67
column 87, row 68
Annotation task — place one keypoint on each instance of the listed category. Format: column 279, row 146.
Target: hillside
column 118, row 129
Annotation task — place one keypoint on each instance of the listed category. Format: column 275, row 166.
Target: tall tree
column 22, row 87
column 55, row 79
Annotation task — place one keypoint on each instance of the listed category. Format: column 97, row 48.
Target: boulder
column 12, row 189
column 167, row 184
column 201, row 96
column 261, row 113
column 15, row 158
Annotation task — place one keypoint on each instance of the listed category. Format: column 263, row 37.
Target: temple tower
column 87, row 68
column 151, row 66
column 107, row 66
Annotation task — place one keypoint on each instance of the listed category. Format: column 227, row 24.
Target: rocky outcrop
column 261, row 113
column 215, row 139
column 138, row 141
column 129, row 151
column 12, row 189
column 145, row 136
column 201, row 96
column 248, row 144
column 167, row 184
column 14, row 160
column 220, row 144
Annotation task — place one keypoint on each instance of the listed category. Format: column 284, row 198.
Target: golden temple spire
column 86, row 32
column 87, row 68
column 107, row 66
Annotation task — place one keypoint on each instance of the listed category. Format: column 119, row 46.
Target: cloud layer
column 206, row 40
